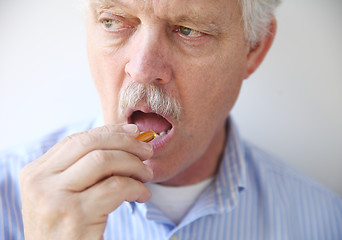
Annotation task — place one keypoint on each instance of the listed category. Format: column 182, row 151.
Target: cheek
column 210, row 87
column 107, row 70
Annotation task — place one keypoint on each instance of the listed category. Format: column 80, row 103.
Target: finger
column 129, row 129
column 107, row 137
column 100, row 164
column 108, row 195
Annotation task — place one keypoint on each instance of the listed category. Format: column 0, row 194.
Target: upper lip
column 145, row 109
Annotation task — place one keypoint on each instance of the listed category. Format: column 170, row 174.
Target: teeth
column 163, row 133
column 160, row 134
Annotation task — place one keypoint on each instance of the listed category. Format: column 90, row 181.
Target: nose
column 148, row 60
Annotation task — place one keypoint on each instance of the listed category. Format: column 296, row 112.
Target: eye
column 188, row 32
column 111, row 24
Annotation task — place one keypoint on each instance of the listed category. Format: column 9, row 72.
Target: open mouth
column 151, row 121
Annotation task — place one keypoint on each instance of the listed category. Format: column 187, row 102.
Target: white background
column 291, row 107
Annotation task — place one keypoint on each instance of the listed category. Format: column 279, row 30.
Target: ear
column 257, row 53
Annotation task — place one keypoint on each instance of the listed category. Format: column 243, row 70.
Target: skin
column 69, row 191
column 203, row 71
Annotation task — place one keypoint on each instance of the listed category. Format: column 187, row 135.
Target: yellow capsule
column 147, row 136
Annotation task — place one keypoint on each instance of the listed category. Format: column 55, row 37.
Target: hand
column 69, row 192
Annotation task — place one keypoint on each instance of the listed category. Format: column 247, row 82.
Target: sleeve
column 11, row 226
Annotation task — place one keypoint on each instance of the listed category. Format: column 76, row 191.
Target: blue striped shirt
column 253, row 196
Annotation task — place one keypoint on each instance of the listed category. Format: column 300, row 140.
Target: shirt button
column 174, row 237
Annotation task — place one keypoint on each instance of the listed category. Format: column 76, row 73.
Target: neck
column 206, row 166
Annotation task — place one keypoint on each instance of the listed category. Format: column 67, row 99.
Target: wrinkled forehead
column 163, row 3
column 217, row 17
column 215, row 9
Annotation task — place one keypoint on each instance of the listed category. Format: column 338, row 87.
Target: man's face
column 194, row 51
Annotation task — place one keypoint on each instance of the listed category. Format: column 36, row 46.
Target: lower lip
column 160, row 143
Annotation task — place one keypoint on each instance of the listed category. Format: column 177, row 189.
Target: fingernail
column 130, row 128
column 148, row 147
column 149, row 170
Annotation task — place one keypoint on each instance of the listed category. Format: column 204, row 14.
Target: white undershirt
column 175, row 202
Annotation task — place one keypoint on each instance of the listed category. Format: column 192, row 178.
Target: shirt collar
column 231, row 177
column 223, row 194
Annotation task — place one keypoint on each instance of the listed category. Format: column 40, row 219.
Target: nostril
column 148, row 69
column 127, row 71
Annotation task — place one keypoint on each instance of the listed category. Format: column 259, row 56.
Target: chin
column 163, row 171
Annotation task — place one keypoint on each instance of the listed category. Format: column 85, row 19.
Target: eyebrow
column 191, row 19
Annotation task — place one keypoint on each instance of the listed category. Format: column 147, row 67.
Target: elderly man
column 174, row 67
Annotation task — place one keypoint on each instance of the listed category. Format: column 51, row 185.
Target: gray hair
column 257, row 16
column 156, row 98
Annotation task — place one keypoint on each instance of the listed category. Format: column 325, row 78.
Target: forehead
column 212, row 10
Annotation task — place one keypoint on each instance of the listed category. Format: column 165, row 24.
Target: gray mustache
column 153, row 96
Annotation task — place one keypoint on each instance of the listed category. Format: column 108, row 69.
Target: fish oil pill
column 147, row 136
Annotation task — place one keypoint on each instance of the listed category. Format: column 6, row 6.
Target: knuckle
column 99, row 157
column 129, row 140
column 71, row 137
column 117, row 183
column 135, row 160
column 27, row 177
column 84, row 139
column 107, row 129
